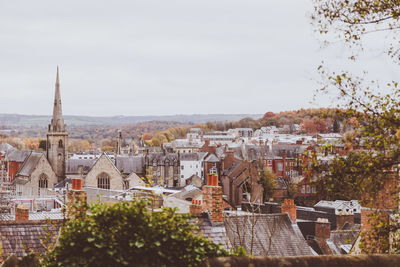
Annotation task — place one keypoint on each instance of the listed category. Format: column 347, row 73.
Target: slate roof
column 215, row 233
column 5, row 147
column 130, row 164
column 192, row 156
column 160, row 158
column 30, row 164
column 211, row 158
column 188, row 191
column 73, row 165
column 20, row 238
column 341, row 238
column 18, row 155
column 232, row 168
column 286, row 238
column 291, row 150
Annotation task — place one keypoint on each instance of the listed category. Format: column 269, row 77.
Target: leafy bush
column 129, row 234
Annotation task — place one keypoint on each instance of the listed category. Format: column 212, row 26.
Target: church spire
column 57, row 122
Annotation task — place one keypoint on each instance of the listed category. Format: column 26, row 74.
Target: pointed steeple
column 57, row 122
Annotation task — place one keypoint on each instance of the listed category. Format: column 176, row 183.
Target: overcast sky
column 158, row 57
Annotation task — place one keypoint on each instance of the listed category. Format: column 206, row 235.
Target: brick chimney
column 322, row 228
column 284, row 163
column 344, row 217
column 76, row 197
column 21, row 213
column 322, row 233
column 289, row 207
column 212, row 197
column 196, row 207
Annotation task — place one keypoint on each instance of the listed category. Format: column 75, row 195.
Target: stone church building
column 42, row 171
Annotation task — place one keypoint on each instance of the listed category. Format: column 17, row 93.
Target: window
column 182, row 176
column 269, row 162
column 303, row 189
column 308, row 189
column 60, row 144
column 59, row 156
column 43, row 183
column 280, row 167
column 213, row 171
column 103, row 181
column 126, row 184
column 314, row 190
column 182, row 167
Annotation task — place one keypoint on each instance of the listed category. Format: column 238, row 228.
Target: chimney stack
column 322, row 229
column 195, row 207
column 212, row 197
column 76, row 198
column 21, row 213
column 344, row 218
column 289, row 207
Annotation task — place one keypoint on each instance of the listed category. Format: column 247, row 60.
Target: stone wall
column 307, row 261
column 104, row 165
column 43, row 167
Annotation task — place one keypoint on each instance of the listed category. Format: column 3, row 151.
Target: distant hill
column 43, row 120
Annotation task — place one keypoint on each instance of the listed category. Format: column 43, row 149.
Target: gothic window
column 43, row 183
column 60, row 144
column 59, row 156
column 246, row 191
column 103, row 181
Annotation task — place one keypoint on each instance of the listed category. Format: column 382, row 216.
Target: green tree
column 375, row 115
column 268, row 183
column 129, row 234
column 353, row 20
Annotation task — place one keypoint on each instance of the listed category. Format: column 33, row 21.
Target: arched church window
column 59, row 156
column 103, row 181
column 246, row 191
column 43, row 183
column 60, row 144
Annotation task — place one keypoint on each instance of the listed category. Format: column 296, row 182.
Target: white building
column 191, row 163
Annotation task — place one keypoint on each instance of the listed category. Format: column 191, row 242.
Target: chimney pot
column 76, row 184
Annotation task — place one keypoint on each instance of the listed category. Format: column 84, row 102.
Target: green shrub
column 129, row 234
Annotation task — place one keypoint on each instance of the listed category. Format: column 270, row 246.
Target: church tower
column 57, row 137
